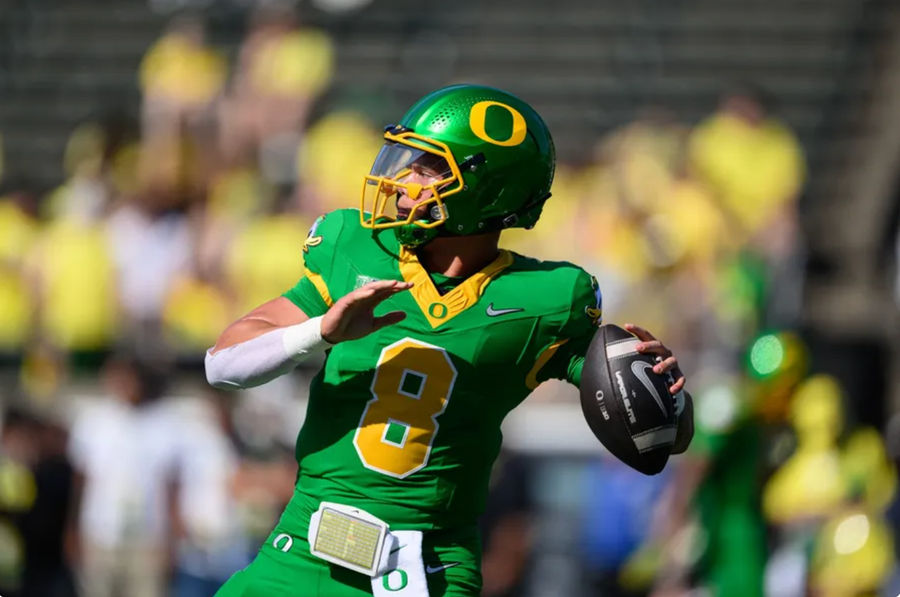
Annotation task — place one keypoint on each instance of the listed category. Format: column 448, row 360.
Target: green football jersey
column 405, row 422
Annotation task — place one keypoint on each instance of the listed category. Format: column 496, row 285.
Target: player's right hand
column 352, row 316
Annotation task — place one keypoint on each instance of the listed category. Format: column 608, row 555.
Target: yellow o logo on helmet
column 478, row 119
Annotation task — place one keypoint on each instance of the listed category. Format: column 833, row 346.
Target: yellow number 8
column 412, row 385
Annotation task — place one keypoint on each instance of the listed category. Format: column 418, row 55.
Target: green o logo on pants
column 388, row 584
column 286, row 546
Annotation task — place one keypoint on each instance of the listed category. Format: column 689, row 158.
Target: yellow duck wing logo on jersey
column 311, row 239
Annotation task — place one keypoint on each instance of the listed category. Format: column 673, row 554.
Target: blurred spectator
column 40, row 518
column 720, row 476
column 152, row 244
column 193, row 308
column 173, row 172
column 181, row 78
column 18, row 494
column 237, row 194
column 853, row 554
column 853, row 551
column 867, row 467
column 334, row 157
column 73, row 267
column 71, row 263
column 123, row 445
column 628, row 184
column 281, row 70
column 211, row 543
column 263, row 484
column 754, row 164
column 755, row 167
column 70, row 266
column 18, row 233
column 250, row 247
column 642, row 157
column 266, row 257
column 35, row 501
column 85, row 193
column 656, row 234
column 809, row 485
column 827, row 501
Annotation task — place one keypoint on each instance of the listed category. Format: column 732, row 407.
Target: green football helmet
column 490, row 157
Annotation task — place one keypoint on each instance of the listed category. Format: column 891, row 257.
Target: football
column 627, row 405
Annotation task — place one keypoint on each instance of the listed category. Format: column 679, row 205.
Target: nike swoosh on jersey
column 639, row 368
column 432, row 569
column 491, row 312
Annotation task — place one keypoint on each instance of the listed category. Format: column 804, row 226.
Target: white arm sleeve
column 261, row 359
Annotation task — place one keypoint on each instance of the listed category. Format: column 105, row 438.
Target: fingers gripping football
column 627, row 388
column 667, row 361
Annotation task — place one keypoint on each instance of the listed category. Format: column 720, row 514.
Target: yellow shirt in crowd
column 79, row 310
column 182, row 71
column 17, row 235
column 753, row 170
column 299, row 63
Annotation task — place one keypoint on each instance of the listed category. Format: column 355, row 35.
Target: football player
column 433, row 335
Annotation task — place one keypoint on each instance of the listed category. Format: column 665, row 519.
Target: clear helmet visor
column 400, row 170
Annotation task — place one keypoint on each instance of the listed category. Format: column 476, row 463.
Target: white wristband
column 304, row 339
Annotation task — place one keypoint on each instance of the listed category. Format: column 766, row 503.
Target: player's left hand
column 667, row 361
column 352, row 316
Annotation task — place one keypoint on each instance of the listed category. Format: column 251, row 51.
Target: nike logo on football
column 432, row 569
column 491, row 312
column 639, row 368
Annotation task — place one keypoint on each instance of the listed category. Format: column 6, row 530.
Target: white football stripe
column 621, row 348
column 653, row 438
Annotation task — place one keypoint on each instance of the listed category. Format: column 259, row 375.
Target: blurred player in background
column 435, row 334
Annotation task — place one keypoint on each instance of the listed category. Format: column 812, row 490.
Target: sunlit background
column 727, row 169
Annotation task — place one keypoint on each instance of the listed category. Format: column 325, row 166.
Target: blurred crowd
column 122, row 474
